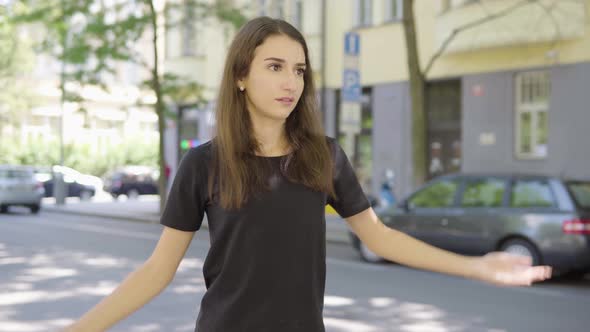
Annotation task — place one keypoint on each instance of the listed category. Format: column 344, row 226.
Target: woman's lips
column 285, row 101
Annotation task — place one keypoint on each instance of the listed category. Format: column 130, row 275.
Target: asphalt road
column 54, row 267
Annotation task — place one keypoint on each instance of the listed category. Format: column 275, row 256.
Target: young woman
column 264, row 181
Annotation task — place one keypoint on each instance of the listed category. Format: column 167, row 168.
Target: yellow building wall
column 508, row 42
column 528, row 37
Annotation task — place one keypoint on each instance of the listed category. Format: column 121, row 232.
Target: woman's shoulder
column 333, row 145
column 330, row 140
column 201, row 152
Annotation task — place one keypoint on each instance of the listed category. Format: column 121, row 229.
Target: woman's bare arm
column 140, row 286
column 496, row 268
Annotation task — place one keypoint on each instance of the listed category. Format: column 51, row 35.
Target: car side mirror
column 404, row 205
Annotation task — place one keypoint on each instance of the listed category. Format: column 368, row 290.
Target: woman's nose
column 290, row 82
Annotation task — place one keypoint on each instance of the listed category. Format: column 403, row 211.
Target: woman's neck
column 271, row 137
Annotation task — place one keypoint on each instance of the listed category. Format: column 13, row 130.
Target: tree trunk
column 162, row 181
column 417, row 91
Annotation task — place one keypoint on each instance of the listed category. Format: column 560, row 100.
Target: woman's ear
column 241, row 85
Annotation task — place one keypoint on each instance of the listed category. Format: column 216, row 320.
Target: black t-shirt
column 266, row 269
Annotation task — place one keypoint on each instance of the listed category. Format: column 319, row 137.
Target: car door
column 480, row 201
column 431, row 207
column 17, row 185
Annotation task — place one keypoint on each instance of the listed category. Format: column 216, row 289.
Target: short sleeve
column 350, row 198
column 185, row 206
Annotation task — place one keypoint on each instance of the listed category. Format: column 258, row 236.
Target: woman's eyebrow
column 300, row 64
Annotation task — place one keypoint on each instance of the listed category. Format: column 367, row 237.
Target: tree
column 417, row 93
column 92, row 36
column 418, row 76
column 16, row 60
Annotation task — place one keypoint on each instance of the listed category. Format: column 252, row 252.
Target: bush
column 134, row 151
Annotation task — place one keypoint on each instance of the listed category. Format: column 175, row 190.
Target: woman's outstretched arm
column 140, row 286
column 497, row 268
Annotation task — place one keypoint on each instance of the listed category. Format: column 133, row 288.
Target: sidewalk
column 146, row 209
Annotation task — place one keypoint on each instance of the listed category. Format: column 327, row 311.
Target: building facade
column 196, row 48
column 505, row 95
column 105, row 118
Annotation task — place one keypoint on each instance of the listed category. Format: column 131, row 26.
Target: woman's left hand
column 506, row 269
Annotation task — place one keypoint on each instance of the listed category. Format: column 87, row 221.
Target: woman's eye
column 275, row 67
column 300, row 71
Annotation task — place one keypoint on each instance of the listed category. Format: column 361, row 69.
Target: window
column 531, row 193
column 188, row 31
column 15, row 174
column 278, row 9
column 581, row 192
column 483, row 193
column 181, row 31
column 532, row 105
column 262, row 11
column 393, row 10
column 440, row 194
column 363, row 13
column 171, row 41
column 297, row 14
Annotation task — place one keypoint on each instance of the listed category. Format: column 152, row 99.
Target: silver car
column 543, row 217
column 18, row 187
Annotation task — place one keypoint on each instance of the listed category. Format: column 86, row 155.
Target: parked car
column 78, row 185
column 132, row 181
column 542, row 217
column 18, row 187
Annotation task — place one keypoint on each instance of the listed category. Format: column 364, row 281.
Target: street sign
column 352, row 43
column 351, row 85
column 350, row 101
column 350, row 118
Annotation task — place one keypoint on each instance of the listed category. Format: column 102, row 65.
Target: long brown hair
column 236, row 172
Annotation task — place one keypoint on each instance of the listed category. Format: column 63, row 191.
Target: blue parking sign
column 351, row 85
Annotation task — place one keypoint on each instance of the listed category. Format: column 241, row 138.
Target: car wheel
column 3, row 208
column 367, row 255
column 35, row 208
column 132, row 194
column 85, row 195
column 523, row 248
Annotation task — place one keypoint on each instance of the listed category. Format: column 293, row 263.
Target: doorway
column 443, row 116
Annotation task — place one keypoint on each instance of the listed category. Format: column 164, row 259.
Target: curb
column 334, row 234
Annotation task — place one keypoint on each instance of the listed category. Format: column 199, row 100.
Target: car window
column 440, row 194
column 531, row 193
column 43, row 177
column 581, row 193
column 15, row 174
column 483, row 193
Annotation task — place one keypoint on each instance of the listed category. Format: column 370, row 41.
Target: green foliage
column 82, row 157
column 92, row 37
column 16, row 60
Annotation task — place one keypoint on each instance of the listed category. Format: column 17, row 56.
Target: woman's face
column 275, row 81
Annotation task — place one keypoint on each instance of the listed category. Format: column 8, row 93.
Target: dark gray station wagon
column 543, row 217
